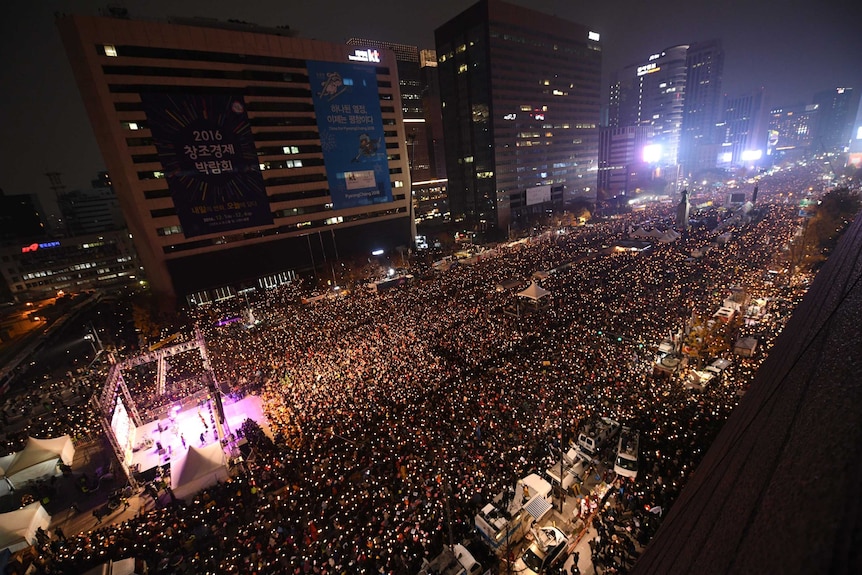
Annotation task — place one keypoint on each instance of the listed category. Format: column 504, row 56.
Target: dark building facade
column 520, row 93
column 837, row 112
column 302, row 160
column 92, row 210
column 37, row 269
column 743, row 128
column 790, row 130
column 699, row 141
column 622, row 170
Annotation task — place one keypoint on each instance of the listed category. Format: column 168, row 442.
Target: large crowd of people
column 397, row 415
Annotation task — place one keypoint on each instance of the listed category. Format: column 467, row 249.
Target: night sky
column 793, row 48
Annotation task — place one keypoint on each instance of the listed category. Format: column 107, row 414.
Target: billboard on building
column 538, row 195
column 347, row 106
column 207, row 151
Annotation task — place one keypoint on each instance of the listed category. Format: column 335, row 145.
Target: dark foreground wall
column 779, row 490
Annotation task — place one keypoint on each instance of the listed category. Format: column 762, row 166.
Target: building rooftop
column 779, row 490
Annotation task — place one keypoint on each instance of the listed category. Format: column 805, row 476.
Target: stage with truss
column 148, row 438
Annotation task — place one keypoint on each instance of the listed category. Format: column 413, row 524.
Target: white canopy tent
column 5, row 462
column 18, row 528
column 662, row 237
column 38, row 459
column 534, row 292
column 198, row 469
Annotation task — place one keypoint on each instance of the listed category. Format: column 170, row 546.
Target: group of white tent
column 38, row 459
column 654, row 234
column 198, row 468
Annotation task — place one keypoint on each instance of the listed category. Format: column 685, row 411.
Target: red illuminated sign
column 36, row 246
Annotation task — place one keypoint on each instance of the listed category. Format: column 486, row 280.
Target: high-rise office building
column 704, row 62
column 239, row 153
column 420, row 107
column 837, row 112
column 790, row 130
column 622, row 169
column 520, row 93
column 433, row 112
column 430, row 198
column 744, row 129
column 854, row 157
column 92, row 210
column 676, row 92
column 38, row 269
column 652, row 93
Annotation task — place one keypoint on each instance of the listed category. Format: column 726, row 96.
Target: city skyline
column 792, row 54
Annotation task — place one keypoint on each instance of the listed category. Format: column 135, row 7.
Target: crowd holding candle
column 387, row 408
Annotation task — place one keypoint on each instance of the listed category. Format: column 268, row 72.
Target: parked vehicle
column 504, row 521
column 455, row 560
column 568, row 471
column 595, row 436
column 546, row 550
column 626, row 462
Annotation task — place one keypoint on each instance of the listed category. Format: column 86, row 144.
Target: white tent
column 18, row 528
column 5, row 462
column 39, row 458
column 669, row 236
column 534, row 292
column 198, row 469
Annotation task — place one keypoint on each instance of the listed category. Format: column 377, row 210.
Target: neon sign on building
column 42, row 246
column 367, row 55
column 648, row 69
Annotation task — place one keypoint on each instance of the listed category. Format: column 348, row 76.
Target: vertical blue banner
column 347, row 106
column 209, row 160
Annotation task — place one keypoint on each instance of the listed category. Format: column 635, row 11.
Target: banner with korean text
column 347, row 106
column 207, row 151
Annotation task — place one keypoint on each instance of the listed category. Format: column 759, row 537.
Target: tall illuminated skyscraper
column 790, row 130
column 677, row 93
column 699, row 141
column 837, row 112
column 652, row 93
column 743, row 131
column 520, row 93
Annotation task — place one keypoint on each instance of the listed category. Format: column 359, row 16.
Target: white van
column 572, row 467
column 456, row 560
column 130, row 566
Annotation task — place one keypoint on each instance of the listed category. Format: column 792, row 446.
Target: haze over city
column 793, row 49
